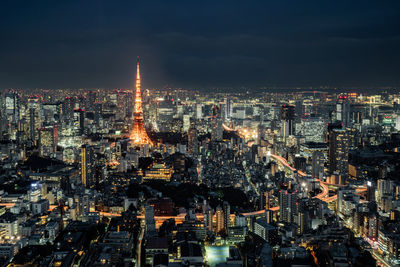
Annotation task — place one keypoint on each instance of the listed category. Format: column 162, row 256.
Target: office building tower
column 98, row 112
column 313, row 128
column 34, row 118
column 48, row 137
column 287, row 115
column 264, row 230
column 193, row 143
column 260, row 135
column 208, row 219
column 288, row 205
column 227, row 215
column 68, row 108
column 12, row 106
column 265, row 199
column 302, row 221
column 150, row 221
column 79, row 121
column 338, row 152
column 91, row 97
column 228, row 108
column 22, row 131
column 199, row 111
column 87, row 166
column 343, row 110
column 216, row 125
column 371, row 191
column 318, row 161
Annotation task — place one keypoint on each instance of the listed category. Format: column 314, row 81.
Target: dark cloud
column 202, row 44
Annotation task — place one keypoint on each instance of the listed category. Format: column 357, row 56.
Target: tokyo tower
column 138, row 135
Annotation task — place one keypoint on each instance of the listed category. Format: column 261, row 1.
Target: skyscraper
column 220, row 219
column 228, row 107
column 149, row 220
column 287, row 112
column 87, row 168
column 12, row 106
column 338, row 152
column 34, row 118
column 79, row 121
column 216, row 124
column 139, row 135
column 193, row 146
column 227, row 215
column 208, row 219
column 318, row 160
column 288, row 205
column 68, row 107
column 48, row 140
column 343, row 110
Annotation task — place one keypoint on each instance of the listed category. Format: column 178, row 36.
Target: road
column 139, row 245
column 381, row 261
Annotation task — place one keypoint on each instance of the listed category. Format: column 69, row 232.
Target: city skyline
column 253, row 134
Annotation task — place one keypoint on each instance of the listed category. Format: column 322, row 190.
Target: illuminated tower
column 139, row 135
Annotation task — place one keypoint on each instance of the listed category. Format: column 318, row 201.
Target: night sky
column 199, row 44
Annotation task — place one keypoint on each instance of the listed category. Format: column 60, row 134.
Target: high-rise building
column 227, row 215
column 371, row 191
column 199, row 111
column 343, row 110
column 313, row 128
column 219, row 213
column 264, row 230
column 208, row 219
column 139, row 135
column 228, row 108
column 79, row 121
column 260, row 134
column 302, row 221
column 12, row 106
column 338, row 152
column 265, row 199
column 68, row 107
column 216, row 124
column 288, row 205
column 34, row 118
column 87, row 166
column 342, row 194
column 22, row 131
column 48, row 137
column 287, row 115
column 98, row 111
column 193, row 143
column 318, row 161
column 150, row 221
column 90, row 100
